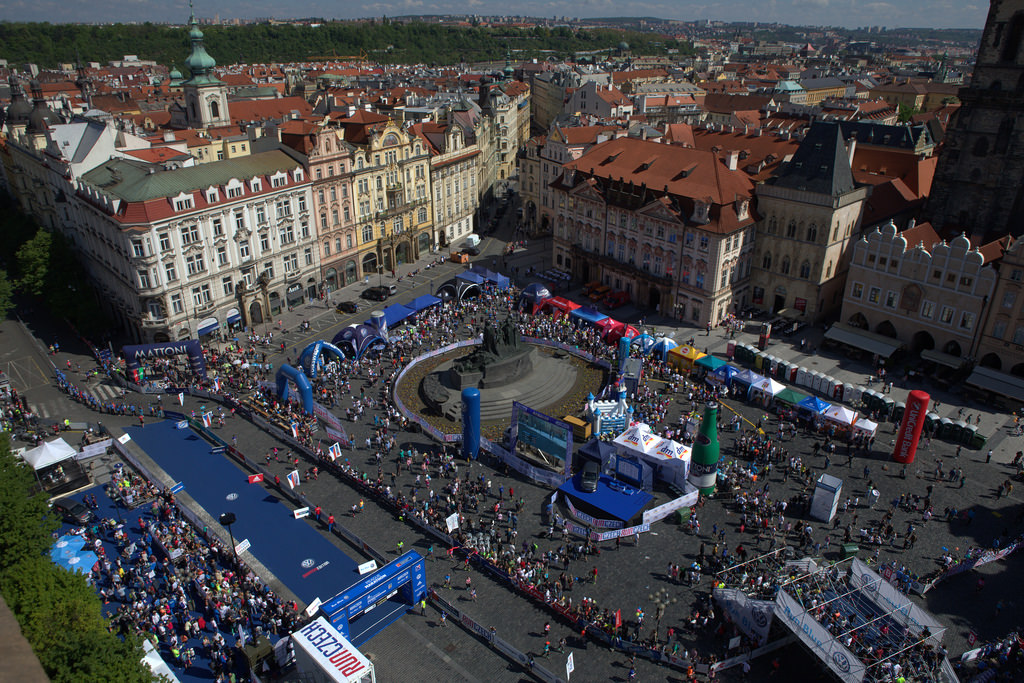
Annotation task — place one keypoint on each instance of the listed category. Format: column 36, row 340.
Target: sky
column 849, row 13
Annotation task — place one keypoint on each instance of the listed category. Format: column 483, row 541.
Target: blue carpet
column 297, row 554
column 611, row 499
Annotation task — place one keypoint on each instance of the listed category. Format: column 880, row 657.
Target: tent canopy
column 710, row 362
column 687, row 352
column 862, row 339
column 396, row 313
column 560, row 303
column 749, row 377
column 644, row 342
column 602, row 451
column 619, row 330
column 49, row 453
column 470, row 276
column 997, row 382
column 814, row 404
column 841, row 414
column 791, row 396
column 535, row 292
column 663, row 346
column 768, row 386
column 587, row 315
column 421, row 302
column 724, row 374
column 867, row 426
column 497, row 279
column 638, row 438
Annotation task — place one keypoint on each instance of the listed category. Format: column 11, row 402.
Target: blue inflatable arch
column 309, row 359
column 287, row 372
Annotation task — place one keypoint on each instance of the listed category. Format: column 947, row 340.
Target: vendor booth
column 662, row 347
column 790, row 397
column 865, row 426
column 709, row 363
column 558, row 306
column 840, row 415
column 617, row 330
column 683, row 357
column 532, row 297
column 584, row 315
column 765, row 390
column 643, row 343
column 670, row 459
column 48, row 453
column 723, row 376
column 812, row 407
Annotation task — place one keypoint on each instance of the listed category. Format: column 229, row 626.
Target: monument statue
column 500, row 358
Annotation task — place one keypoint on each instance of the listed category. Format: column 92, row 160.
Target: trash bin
column 850, row 550
column 683, row 515
column 873, row 497
column 978, row 441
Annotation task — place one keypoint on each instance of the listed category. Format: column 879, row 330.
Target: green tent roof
column 710, row 362
column 790, row 396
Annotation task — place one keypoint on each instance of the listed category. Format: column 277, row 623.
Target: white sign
column 570, row 666
column 734, row 642
column 331, row 651
column 452, row 521
column 94, row 449
column 313, row 607
column 301, row 512
column 242, row 546
column 124, row 438
column 753, row 617
column 367, row 567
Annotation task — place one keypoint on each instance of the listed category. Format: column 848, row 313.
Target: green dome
column 175, row 75
column 623, row 46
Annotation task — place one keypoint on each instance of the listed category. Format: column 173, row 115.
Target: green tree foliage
column 6, row 295
column 59, row 612
column 906, row 112
column 387, row 42
column 33, row 258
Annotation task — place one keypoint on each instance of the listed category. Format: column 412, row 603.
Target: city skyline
column 845, row 13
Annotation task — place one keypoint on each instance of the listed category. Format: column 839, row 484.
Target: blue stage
column 611, row 500
column 297, row 554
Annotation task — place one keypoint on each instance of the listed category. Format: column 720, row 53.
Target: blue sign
column 407, row 574
column 177, row 487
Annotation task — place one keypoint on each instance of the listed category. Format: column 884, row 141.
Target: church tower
column 206, row 97
column 979, row 182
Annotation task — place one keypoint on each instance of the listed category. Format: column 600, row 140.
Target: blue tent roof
column 663, row 346
column 470, row 276
column 814, row 404
column 497, row 279
column 587, row 314
column 644, row 341
column 535, row 291
column 421, row 302
column 396, row 313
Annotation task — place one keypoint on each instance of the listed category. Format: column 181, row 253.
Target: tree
column 33, row 260
column 907, row 112
column 25, row 523
column 6, row 292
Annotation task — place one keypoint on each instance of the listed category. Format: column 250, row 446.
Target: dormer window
column 279, row 179
column 297, row 175
column 742, row 209
column 700, row 212
column 212, row 196
column 182, row 202
column 234, row 189
column 255, row 185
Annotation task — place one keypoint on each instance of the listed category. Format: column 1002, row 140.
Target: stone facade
column 1001, row 346
column 330, row 168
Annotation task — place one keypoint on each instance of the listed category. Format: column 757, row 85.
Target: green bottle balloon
column 706, row 451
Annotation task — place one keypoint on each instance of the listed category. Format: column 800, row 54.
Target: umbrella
column 66, row 546
column 237, row 361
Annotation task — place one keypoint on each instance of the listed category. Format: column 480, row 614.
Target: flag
column 618, row 618
column 295, row 429
column 255, row 478
column 181, row 397
column 182, row 424
column 334, row 451
column 207, row 421
column 293, row 478
column 570, row 666
column 216, row 383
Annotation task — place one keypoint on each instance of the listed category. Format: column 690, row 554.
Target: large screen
column 547, row 434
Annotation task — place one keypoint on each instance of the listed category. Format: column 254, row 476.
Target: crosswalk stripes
column 57, row 408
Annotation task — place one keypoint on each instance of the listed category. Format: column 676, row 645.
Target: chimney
column 732, row 159
column 852, row 147
column 169, row 136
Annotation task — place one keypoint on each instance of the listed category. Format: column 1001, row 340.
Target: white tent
column 840, row 414
column 768, row 387
column 50, row 453
column 637, row 438
column 667, row 448
column 867, row 426
column 156, row 663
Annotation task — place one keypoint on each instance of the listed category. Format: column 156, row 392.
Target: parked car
column 600, row 293
column 591, row 286
column 346, row 307
column 72, row 511
column 380, row 293
column 616, row 299
column 589, row 477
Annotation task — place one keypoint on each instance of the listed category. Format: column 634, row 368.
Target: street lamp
column 226, row 520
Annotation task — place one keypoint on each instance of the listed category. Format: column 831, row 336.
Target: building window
column 177, row 306
column 928, row 310
column 201, row 295
column 222, row 255
column 268, row 268
column 348, row 240
column 218, row 227
column 890, row 299
column 165, row 242
column 144, row 279
column 240, row 220
column 243, row 250
column 698, row 280
column 183, row 204
column 805, row 270
column 874, row 294
column 421, row 215
column 195, row 264
column 785, row 266
column 999, row 329
column 304, row 229
column 302, row 203
column 189, row 234
column 235, row 192
column 308, row 254
column 1009, row 299
column 857, row 291
column 337, row 244
column 138, row 249
column 791, row 229
column 283, row 207
column 264, row 242
column 966, row 321
column 286, row 233
column 367, row 233
column 291, row 263
column 327, row 247
column 703, row 242
column 1016, row 274
column 261, row 214
column 947, row 315
column 1018, row 335
column 320, row 195
column 323, row 221
column 228, row 285
column 812, row 233
column 766, row 261
column 170, row 271
column 278, row 181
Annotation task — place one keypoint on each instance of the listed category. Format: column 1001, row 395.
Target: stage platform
column 293, row 550
column 611, row 500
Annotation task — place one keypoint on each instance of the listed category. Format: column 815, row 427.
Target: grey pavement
column 631, row 576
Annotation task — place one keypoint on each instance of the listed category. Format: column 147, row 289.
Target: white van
column 472, row 240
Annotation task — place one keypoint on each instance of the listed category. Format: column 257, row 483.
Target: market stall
column 683, row 357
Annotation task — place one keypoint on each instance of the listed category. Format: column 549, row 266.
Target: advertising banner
column 327, row 416
column 659, row 513
column 753, row 617
column 840, row 660
column 94, row 449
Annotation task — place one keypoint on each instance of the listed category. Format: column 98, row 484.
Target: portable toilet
column 945, row 430
column 837, row 388
column 931, row 423
column 801, row 377
column 888, row 403
column 759, row 360
column 897, row 411
column 730, row 349
column 793, row 368
column 816, row 378
column 848, row 391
